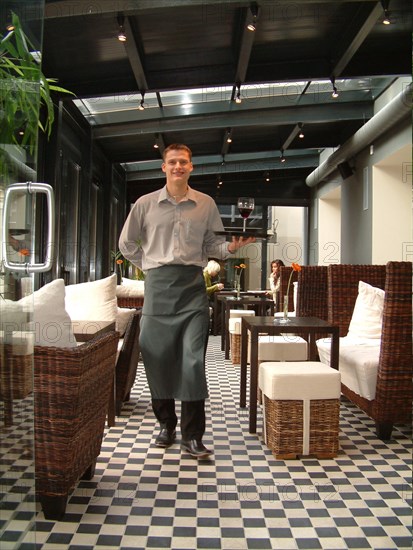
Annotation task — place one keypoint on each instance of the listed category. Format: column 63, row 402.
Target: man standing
column 170, row 234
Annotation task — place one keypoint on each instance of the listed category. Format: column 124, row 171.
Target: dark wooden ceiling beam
column 68, row 8
column 276, row 116
column 135, row 61
column 351, row 47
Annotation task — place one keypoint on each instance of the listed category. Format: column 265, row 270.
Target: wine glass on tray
column 245, row 207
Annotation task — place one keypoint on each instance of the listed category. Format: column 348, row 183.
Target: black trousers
column 192, row 417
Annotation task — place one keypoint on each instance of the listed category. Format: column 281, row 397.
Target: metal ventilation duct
column 389, row 116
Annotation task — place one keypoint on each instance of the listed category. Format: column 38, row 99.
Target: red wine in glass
column 245, row 207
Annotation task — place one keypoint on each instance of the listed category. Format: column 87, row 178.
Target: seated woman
column 210, row 272
column 274, row 280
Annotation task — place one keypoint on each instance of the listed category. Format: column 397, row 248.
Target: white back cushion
column 366, row 321
column 93, row 301
column 131, row 288
column 122, row 319
column 50, row 324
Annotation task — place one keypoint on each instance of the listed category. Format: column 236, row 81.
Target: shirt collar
column 164, row 196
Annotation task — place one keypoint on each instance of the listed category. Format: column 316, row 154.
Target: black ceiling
column 284, row 69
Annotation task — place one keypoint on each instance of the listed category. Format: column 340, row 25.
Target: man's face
column 177, row 166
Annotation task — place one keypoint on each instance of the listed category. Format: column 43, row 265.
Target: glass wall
column 19, row 106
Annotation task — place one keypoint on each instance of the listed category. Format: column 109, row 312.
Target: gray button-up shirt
column 160, row 231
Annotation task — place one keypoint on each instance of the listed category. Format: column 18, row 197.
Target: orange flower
column 24, row 252
column 239, row 267
column 296, row 267
column 119, row 262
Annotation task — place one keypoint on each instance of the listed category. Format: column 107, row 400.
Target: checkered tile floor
column 144, row 497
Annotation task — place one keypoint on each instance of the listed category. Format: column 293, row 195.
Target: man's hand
column 220, row 286
column 238, row 242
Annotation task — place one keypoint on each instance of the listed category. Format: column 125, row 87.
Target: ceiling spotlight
column 238, row 96
column 121, row 31
column 252, row 26
column 386, row 14
column 335, row 91
column 301, row 133
column 386, row 18
column 142, row 102
column 267, row 176
column 229, row 136
column 282, row 157
column 155, row 145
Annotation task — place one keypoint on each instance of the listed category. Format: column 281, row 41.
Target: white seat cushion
column 358, row 363
column 299, row 380
column 122, row 319
column 234, row 325
column 288, row 347
column 241, row 312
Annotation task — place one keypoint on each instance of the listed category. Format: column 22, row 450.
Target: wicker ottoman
column 288, row 347
column 234, row 328
column 301, row 408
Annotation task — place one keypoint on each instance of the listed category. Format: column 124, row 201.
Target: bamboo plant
column 24, row 91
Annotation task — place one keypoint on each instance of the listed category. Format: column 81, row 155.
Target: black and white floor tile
column 242, row 498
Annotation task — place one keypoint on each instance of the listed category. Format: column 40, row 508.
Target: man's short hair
column 177, row 147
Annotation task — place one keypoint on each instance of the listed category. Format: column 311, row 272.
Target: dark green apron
column 174, row 332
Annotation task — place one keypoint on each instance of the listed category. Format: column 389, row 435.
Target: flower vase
column 285, row 310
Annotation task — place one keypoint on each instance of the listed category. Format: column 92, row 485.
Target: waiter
column 170, row 233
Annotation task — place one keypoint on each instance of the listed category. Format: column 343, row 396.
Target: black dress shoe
column 195, row 448
column 166, row 438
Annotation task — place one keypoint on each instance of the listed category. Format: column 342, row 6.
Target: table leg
column 312, row 347
column 335, row 348
column 226, row 330
column 243, row 373
column 253, row 381
column 215, row 313
column 223, row 310
column 111, row 406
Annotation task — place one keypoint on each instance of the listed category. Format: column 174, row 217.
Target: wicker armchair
column 71, row 396
column 127, row 362
column 393, row 399
column 128, row 301
column 16, row 378
column 312, row 292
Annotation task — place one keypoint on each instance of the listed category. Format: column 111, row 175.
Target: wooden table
column 85, row 331
column 261, row 302
column 304, row 326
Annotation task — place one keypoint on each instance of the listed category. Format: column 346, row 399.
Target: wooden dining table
column 307, row 327
column 262, row 303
